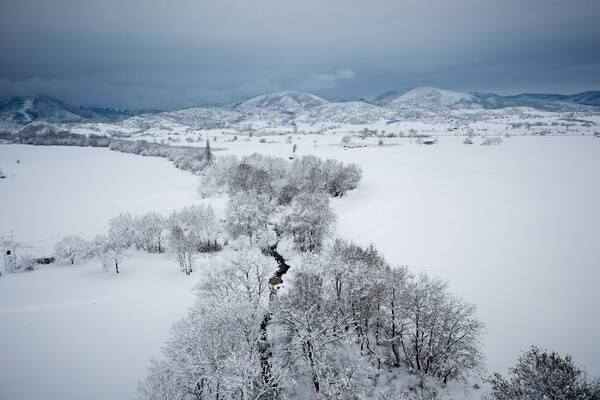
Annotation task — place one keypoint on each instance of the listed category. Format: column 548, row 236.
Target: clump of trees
column 492, row 141
column 271, row 196
column 221, row 349
column 540, row 374
column 277, row 178
column 344, row 328
column 192, row 230
column 183, row 234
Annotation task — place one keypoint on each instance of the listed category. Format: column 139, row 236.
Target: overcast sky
column 178, row 53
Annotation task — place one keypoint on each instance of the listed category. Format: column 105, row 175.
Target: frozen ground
column 63, row 190
column 76, row 332
column 513, row 227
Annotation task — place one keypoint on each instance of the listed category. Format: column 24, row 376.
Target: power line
column 94, row 229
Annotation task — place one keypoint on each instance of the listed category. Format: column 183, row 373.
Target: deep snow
column 513, row 227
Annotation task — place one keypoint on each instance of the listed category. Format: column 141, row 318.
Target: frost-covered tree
column 218, row 351
column 345, row 326
column 340, row 179
column 247, row 215
column 539, row 374
column 315, row 334
column 443, row 334
column 192, row 230
column 200, row 225
column 215, row 178
column 308, row 220
column 246, row 178
column 70, row 248
column 109, row 250
column 182, row 247
column 123, row 228
column 149, row 229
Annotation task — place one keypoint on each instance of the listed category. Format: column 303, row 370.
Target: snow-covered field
column 57, row 191
column 75, row 332
column 513, row 227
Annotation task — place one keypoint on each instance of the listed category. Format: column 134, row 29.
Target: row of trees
column 192, row 159
column 183, row 234
column 344, row 328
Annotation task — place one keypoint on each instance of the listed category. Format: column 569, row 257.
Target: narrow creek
column 282, row 266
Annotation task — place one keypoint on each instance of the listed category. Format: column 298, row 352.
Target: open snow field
column 513, row 227
column 57, row 191
column 75, row 332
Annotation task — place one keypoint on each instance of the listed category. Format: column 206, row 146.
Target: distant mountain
column 433, row 99
column 352, row 112
column 349, row 99
column 23, row 110
column 285, row 108
column 557, row 102
column 589, row 98
column 386, row 97
column 284, row 102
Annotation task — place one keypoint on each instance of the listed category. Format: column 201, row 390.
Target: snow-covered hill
column 282, row 102
column 354, row 113
column 434, row 99
column 281, row 110
column 23, row 110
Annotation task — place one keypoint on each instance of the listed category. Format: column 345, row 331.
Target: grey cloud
column 185, row 52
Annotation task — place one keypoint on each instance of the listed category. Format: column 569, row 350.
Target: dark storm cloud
column 180, row 53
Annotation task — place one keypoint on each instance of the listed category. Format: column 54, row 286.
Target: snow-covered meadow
column 513, row 227
column 73, row 332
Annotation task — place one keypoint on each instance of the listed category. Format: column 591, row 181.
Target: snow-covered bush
column 492, row 141
column 25, row 260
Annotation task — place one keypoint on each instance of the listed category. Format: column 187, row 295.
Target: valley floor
column 513, row 227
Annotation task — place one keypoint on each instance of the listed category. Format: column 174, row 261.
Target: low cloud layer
column 138, row 54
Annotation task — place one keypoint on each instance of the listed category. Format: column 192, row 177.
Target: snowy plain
column 512, row 227
column 76, row 332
